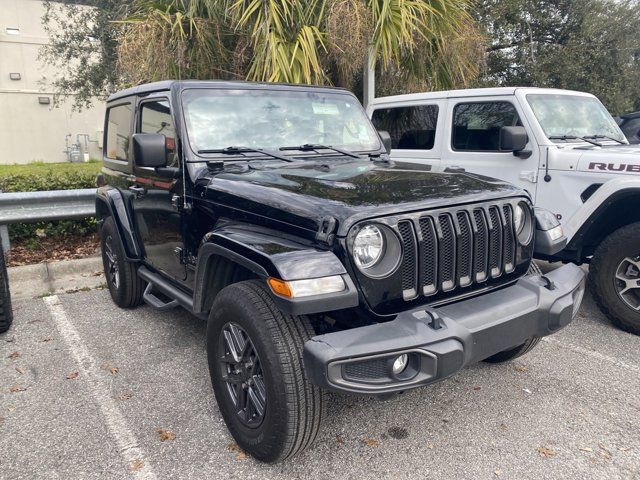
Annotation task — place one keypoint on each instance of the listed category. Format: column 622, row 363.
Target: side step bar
column 160, row 284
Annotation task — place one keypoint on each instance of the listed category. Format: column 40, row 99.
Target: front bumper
column 359, row 360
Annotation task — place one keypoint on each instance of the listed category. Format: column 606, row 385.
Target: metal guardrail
column 29, row 207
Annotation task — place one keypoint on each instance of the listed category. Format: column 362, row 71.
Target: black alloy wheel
column 242, row 373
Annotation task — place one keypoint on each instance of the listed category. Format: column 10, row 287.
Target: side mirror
column 386, row 140
column 513, row 139
column 150, row 150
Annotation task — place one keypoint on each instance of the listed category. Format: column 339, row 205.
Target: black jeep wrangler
column 274, row 213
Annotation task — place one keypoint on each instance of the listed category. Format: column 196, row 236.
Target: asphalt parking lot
column 91, row 391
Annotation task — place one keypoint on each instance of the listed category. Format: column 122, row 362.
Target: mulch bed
column 51, row 249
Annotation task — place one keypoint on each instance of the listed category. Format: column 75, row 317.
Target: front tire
column 125, row 287
column 614, row 277
column 6, row 313
column 255, row 362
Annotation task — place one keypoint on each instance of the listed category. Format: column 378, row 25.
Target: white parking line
column 592, row 353
column 126, row 441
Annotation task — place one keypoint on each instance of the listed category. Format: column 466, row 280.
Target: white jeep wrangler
column 561, row 146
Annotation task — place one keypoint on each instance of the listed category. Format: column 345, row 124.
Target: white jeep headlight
column 368, row 247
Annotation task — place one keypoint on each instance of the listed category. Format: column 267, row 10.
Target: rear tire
column 6, row 313
column 508, row 355
column 125, row 287
column 614, row 267
column 287, row 414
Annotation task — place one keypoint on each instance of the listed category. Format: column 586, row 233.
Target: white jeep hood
column 612, row 159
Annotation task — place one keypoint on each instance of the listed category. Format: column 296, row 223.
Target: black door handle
column 139, row 191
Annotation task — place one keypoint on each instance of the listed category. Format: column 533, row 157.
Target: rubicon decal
column 615, row 167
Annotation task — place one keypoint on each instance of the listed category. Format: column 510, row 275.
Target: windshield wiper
column 605, row 136
column 574, row 137
column 314, row 146
column 241, row 150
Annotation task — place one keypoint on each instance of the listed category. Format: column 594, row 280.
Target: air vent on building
column 44, row 100
column 12, row 31
column 15, row 76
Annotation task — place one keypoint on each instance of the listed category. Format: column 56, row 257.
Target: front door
column 156, row 197
column 475, row 139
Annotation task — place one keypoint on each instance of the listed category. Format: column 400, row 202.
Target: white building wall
column 29, row 130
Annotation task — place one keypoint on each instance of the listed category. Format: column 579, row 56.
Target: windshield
column 573, row 116
column 272, row 119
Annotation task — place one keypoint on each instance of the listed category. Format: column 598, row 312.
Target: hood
column 611, row 159
column 303, row 193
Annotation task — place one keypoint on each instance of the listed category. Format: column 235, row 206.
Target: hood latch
column 326, row 230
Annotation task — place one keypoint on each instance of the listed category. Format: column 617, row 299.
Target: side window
column 155, row 117
column 476, row 126
column 631, row 129
column 411, row 128
column 118, row 134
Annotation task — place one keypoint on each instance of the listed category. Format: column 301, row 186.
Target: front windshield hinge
column 383, row 157
column 326, row 230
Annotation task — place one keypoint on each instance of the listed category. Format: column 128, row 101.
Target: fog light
column 400, row 363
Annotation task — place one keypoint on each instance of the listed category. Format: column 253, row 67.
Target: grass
column 39, row 168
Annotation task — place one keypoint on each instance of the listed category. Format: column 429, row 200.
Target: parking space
column 88, row 390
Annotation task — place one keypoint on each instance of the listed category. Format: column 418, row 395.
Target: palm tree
column 416, row 44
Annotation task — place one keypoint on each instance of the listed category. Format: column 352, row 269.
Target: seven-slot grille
column 444, row 251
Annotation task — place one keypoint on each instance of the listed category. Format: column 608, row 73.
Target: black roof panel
column 166, row 85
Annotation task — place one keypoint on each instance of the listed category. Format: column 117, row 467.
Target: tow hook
column 549, row 283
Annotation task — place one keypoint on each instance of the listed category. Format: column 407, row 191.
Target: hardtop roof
column 167, row 85
column 472, row 92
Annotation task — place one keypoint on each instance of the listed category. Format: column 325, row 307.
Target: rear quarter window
column 410, row 128
column 118, row 134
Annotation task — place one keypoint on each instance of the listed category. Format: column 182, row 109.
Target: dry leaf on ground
column 52, row 248
column 520, row 368
column 371, row 442
column 430, row 446
column 125, row 396
column 73, row 376
column 546, row 452
column 165, row 434
column 17, row 388
column 21, row 370
column 14, row 355
column 340, row 439
column 46, row 339
column 586, row 449
column 136, row 465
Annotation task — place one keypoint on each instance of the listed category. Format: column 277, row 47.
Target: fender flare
column 595, row 210
column 600, row 197
column 267, row 254
column 111, row 202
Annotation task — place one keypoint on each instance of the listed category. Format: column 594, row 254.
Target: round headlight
column 519, row 217
column 368, row 247
column 523, row 223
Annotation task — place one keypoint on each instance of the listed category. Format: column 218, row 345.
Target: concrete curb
column 31, row 281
